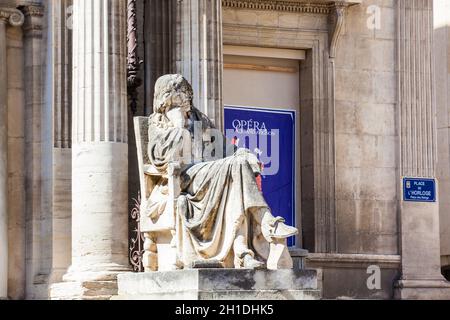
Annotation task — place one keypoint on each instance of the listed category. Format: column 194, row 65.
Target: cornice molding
column 335, row 10
column 272, row 5
column 12, row 16
column 294, row 6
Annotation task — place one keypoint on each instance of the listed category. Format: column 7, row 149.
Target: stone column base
column 93, row 285
column 87, row 290
column 422, row 290
column 219, row 284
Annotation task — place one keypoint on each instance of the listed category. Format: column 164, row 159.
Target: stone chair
column 160, row 245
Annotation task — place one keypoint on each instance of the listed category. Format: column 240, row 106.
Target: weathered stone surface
column 209, row 284
column 88, row 290
column 422, row 290
column 345, row 276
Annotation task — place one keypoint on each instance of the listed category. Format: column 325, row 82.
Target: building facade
column 368, row 79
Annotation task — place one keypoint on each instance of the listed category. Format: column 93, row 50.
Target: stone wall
column 299, row 28
column 364, row 120
column 378, row 71
column 366, row 135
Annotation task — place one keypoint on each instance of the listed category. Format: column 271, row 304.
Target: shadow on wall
column 446, row 272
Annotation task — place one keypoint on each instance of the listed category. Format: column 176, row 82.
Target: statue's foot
column 252, row 263
column 276, row 228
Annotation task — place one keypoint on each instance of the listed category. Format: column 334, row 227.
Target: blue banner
column 270, row 134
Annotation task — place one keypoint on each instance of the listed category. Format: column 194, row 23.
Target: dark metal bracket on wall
column 133, row 61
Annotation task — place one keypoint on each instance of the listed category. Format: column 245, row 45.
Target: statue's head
column 172, row 91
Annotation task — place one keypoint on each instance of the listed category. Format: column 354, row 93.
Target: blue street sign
column 270, row 134
column 419, row 190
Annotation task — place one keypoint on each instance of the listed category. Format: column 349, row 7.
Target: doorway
column 266, row 80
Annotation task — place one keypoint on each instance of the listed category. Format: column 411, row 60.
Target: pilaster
column 38, row 258
column 419, row 222
column 13, row 17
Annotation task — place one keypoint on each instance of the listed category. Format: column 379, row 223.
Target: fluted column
column 419, row 221
column 62, row 87
column 14, row 18
column 200, row 53
column 159, row 38
column 62, row 138
column 99, row 141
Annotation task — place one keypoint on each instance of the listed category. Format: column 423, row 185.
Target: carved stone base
column 422, row 290
column 219, row 284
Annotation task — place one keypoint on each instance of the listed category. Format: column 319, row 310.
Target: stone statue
column 218, row 214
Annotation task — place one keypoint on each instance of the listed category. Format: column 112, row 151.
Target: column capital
column 11, row 16
column 33, row 20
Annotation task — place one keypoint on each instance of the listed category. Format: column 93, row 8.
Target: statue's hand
column 251, row 158
column 177, row 117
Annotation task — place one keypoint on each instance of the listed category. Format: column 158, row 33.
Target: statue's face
column 175, row 98
column 173, row 91
column 177, row 106
column 180, row 99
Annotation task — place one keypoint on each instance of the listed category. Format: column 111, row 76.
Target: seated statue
column 220, row 214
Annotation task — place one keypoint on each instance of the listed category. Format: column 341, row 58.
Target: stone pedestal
column 421, row 270
column 219, row 284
